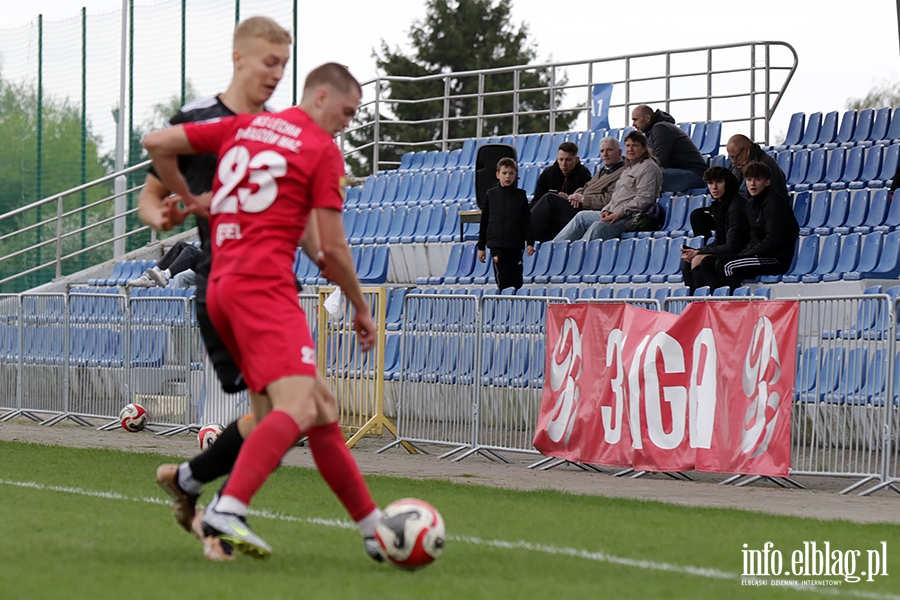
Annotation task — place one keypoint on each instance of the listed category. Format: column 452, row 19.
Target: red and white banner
column 707, row 390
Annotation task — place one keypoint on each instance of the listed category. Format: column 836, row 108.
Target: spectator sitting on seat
column 637, row 188
column 552, row 212
column 564, row 176
column 181, row 257
column 506, row 226
column 773, row 235
column 731, row 226
column 741, row 150
column 681, row 161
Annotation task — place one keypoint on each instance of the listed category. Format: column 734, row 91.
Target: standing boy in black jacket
column 506, row 226
column 773, row 235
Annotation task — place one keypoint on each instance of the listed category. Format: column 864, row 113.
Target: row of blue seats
column 404, row 224
column 845, row 376
column 865, row 127
column 850, row 257
column 88, row 346
column 123, row 272
column 839, row 168
column 541, row 148
column 371, row 266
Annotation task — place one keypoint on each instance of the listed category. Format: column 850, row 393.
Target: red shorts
column 262, row 325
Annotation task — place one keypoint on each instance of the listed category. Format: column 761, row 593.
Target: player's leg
column 184, row 482
column 338, row 468
column 293, row 411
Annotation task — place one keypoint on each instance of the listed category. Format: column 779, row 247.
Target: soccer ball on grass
column 208, row 435
column 133, row 417
column 411, row 533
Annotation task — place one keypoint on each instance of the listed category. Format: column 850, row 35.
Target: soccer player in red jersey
column 275, row 172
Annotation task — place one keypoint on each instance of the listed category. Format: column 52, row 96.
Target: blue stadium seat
column 467, row 186
column 639, row 258
column 828, row 131
column 837, row 214
column 405, row 161
column 805, row 262
column 795, row 131
column 712, row 139
column 871, row 168
column 741, row 291
column 834, row 169
column 427, row 191
column 818, row 212
column 594, row 149
column 382, row 226
column 697, row 133
column 464, row 265
column 542, row 260
column 799, row 166
column 440, row 160
column 856, row 214
column 783, row 159
column 624, row 293
column 557, row 266
column 892, row 219
column 378, row 269
column 703, row 290
column 359, row 226
column 416, row 224
column 589, row 263
column 864, row 122
column 815, row 171
column 879, row 126
column 434, row 226
column 893, row 132
column 830, row 246
column 721, row 291
column 467, row 156
column 481, row 274
column 450, row 229
column 623, row 261
column 848, row 258
column 830, row 373
column 573, row 263
column 609, row 250
column 453, row 182
column 657, row 262
column 453, row 157
column 391, row 188
column 811, row 132
column 412, row 189
column 845, row 132
column 352, row 195
column 888, row 167
column 428, row 160
column 889, row 265
column 801, row 207
column 852, row 169
column 877, row 211
column 807, row 374
column 671, row 269
column 676, row 217
column 441, row 183
column 869, row 256
column 763, row 292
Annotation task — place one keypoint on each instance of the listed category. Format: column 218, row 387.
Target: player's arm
column 164, row 146
column 342, row 271
column 156, row 209
column 312, row 247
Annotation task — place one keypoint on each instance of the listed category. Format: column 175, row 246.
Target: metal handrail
column 384, row 101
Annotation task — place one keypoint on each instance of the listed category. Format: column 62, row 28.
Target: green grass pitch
column 91, row 524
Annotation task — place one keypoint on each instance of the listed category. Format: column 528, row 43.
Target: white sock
column 168, row 273
column 231, row 505
column 186, row 479
column 367, row 524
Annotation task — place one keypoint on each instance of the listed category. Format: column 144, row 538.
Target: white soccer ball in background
column 133, row 417
column 411, row 533
column 208, row 435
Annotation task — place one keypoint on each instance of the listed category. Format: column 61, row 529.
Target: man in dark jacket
column 554, row 211
column 730, row 223
column 773, row 236
column 681, row 161
column 742, row 151
column 564, row 176
column 506, row 226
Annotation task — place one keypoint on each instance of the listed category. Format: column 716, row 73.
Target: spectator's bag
column 652, row 219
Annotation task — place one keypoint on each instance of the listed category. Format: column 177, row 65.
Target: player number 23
column 264, row 168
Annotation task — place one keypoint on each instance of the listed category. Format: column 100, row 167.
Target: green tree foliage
column 456, row 36
column 60, row 169
column 883, row 94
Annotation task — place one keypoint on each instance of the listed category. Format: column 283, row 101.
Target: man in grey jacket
column 638, row 187
column 681, row 161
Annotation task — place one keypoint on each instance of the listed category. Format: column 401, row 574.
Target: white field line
column 503, row 544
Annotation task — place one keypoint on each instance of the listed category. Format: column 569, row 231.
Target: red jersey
column 273, row 169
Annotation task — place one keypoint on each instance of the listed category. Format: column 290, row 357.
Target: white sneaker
column 157, row 275
column 143, row 281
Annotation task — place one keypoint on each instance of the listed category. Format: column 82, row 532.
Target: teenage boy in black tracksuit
column 773, row 235
column 506, row 226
